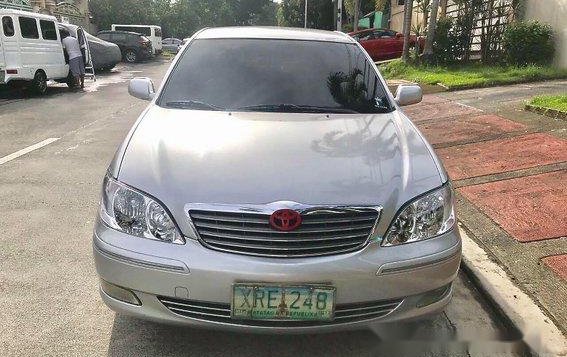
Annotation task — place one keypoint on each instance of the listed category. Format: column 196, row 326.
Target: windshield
column 274, row 75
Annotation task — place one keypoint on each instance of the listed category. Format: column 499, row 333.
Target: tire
column 39, row 83
column 130, row 56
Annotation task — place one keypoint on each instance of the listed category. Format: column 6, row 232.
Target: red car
column 382, row 44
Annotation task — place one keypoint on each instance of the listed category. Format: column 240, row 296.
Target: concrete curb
column 550, row 112
column 539, row 332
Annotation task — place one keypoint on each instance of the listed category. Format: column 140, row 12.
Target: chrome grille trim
column 323, row 231
column 217, row 312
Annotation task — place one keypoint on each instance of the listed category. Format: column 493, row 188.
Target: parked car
column 171, row 44
column 31, row 52
column 152, row 32
column 383, row 44
column 275, row 186
column 105, row 55
column 134, row 46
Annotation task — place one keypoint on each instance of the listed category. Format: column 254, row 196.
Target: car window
column 379, row 34
column 28, row 27
column 8, row 26
column 48, row 31
column 362, row 36
column 167, row 41
column 279, row 75
column 177, row 42
column 119, row 37
column 389, row 33
column 157, row 32
column 104, row 36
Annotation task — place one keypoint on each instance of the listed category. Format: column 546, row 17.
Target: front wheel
column 39, row 83
column 130, row 56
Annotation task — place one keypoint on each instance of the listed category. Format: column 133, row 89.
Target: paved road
column 49, row 302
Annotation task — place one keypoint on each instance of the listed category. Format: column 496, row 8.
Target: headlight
column 132, row 212
column 423, row 218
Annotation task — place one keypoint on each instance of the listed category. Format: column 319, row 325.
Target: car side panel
column 29, row 55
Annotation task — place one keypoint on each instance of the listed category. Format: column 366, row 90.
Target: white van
column 31, row 50
column 152, row 32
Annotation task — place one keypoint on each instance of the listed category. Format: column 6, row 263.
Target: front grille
column 322, row 232
column 217, row 312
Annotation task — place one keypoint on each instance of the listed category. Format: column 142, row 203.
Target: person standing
column 76, row 63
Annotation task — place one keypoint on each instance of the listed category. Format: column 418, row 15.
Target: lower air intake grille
column 216, row 312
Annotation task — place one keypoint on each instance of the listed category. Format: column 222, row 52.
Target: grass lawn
column 469, row 76
column 556, row 102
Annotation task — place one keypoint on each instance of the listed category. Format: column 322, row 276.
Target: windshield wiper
column 295, row 108
column 189, row 104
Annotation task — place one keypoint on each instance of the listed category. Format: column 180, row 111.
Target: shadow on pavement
column 431, row 337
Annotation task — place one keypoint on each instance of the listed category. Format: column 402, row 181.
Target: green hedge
column 528, row 43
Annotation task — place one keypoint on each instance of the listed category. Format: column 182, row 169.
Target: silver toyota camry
column 274, row 184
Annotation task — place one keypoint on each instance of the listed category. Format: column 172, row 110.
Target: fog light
column 119, row 293
column 433, row 296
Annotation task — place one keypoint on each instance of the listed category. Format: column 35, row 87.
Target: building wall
column 553, row 12
column 397, row 16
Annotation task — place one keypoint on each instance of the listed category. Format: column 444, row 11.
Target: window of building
column 401, row 2
column 28, row 27
column 48, row 30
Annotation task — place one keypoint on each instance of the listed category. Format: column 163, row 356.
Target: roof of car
column 286, row 33
column 119, row 31
column 368, row 30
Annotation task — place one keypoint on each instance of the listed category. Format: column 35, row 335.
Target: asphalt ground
column 49, row 302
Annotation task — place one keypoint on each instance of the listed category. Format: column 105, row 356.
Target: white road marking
column 27, row 150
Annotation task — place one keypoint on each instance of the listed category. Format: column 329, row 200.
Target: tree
column 428, row 49
column 107, row 12
column 181, row 18
column 320, row 14
column 443, row 9
column 424, row 7
column 356, row 14
column 408, row 10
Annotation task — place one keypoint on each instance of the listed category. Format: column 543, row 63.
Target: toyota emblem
column 285, row 220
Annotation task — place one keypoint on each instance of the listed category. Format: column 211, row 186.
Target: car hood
column 192, row 156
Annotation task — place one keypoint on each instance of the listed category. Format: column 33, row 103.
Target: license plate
column 283, row 302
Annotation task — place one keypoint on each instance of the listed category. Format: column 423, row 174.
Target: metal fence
column 487, row 22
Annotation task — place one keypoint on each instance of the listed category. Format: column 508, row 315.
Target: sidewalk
column 509, row 169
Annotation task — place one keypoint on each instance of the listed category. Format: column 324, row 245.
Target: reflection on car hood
column 190, row 156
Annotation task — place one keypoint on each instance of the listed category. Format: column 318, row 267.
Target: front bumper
column 192, row 273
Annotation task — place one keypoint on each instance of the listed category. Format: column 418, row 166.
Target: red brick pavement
column 438, row 110
column 467, row 128
column 496, row 156
column 529, row 208
column 557, row 263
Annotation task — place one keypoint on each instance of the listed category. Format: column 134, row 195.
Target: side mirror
column 408, row 94
column 142, row 88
